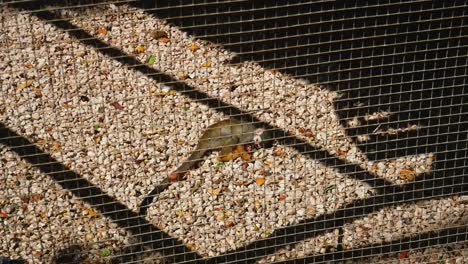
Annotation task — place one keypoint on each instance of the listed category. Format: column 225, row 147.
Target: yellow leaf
column 180, row 213
column 24, row 85
column 194, row 47
column 214, row 191
column 260, row 181
column 206, row 64
column 140, row 49
column 91, row 212
column 190, row 245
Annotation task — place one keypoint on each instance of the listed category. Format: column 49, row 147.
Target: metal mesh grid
column 102, row 100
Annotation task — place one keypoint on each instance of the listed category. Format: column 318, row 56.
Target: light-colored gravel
column 125, row 133
column 39, row 218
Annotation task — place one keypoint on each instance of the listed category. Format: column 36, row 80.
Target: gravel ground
column 125, row 133
column 39, row 218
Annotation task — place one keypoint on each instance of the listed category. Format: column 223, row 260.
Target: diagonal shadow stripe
column 412, row 190
column 420, row 241
column 119, row 213
column 310, row 228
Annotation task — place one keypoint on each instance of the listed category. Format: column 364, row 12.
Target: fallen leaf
column 24, row 85
column 342, row 151
column 28, row 65
column 229, row 224
column 96, row 127
column 279, row 152
column 117, row 105
column 151, row 59
column 157, row 34
column 407, row 174
column 190, row 245
column 105, row 252
column 403, row 255
column 36, row 197
column 164, row 40
column 56, row 147
column 140, row 49
column 66, row 105
column 91, row 212
column 219, row 165
column 214, row 191
column 180, row 213
column 206, row 64
column 260, row 181
column 194, row 47
column 38, row 92
column 3, row 215
column 102, row 31
column 330, row 187
column 281, row 197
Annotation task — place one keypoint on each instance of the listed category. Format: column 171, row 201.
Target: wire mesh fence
column 233, row 131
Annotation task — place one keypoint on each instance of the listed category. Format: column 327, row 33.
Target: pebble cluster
column 125, row 133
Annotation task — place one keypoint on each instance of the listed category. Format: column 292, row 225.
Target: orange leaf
column 102, row 31
column 140, row 49
column 91, row 212
column 194, row 47
column 164, row 40
column 260, row 181
column 407, row 174
column 3, row 215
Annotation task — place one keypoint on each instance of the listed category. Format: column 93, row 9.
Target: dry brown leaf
column 66, row 105
column 279, row 152
column 206, row 64
column 38, row 92
column 157, row 34
column 164, row 40
column 28, row 65
column 36, row 197
column 260, row 181
column 24, row 85
column 194, row 47
column 342, row 151
column 140, row 49
column 190, row 245
column 407, row 174
column 117, row 105
column 102, row 31
column 229, row 223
